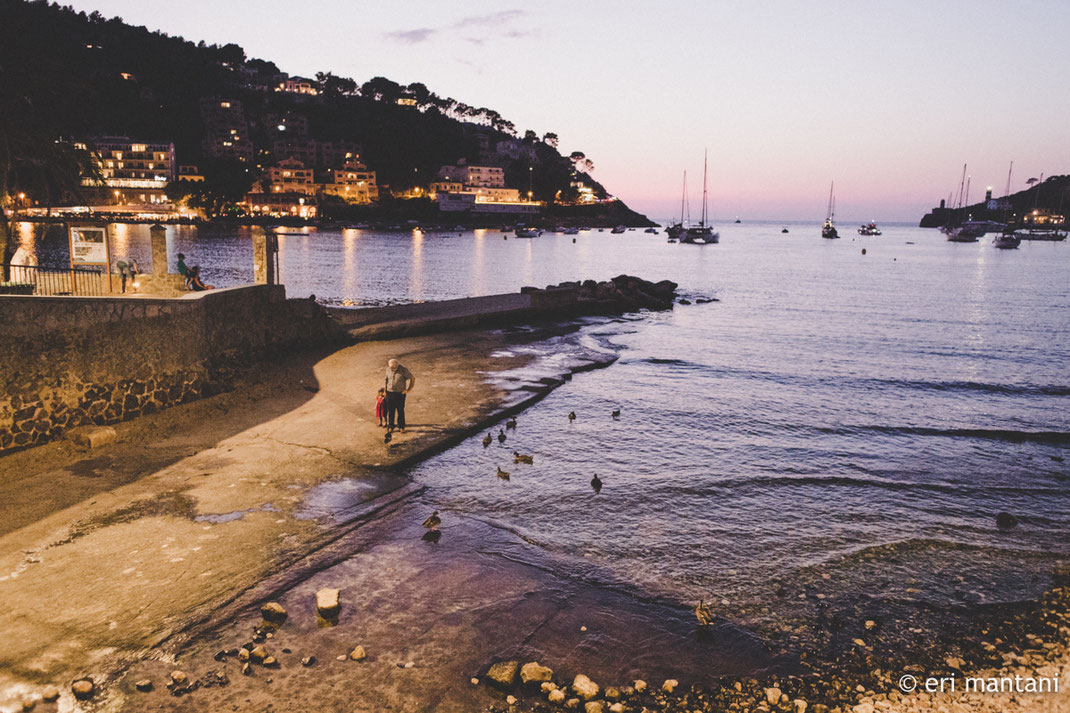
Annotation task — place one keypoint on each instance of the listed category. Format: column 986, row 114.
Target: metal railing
column 38, row 280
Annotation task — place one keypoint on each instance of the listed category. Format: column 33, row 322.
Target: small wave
column 995, row 434
column 967, row 386
column 848, row 481
column 678, row 362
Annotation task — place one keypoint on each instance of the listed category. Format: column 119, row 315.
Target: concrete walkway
column 117, row 550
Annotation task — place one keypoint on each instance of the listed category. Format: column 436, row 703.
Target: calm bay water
column 861, row 416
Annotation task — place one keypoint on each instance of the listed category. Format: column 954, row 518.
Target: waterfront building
column 133, row 171
column 298, row 85
column 474, row 176
column 291, row 176
column 224, row 129
column 353, row 183
column 189, row 173
column 279, row 205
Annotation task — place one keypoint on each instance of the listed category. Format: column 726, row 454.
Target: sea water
column 856, row 418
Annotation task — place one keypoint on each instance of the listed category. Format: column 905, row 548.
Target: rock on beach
column 327, row 603
column 503, row 673
column 584, row 687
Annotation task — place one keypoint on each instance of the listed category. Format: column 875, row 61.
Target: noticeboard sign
column 89, row 245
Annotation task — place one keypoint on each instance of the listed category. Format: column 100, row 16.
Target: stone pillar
column 159, row 249
column 265, row 247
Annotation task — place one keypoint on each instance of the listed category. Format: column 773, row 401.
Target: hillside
column 77, row 76
column 1051, row 196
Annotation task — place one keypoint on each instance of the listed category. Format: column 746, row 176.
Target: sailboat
column 677, row 230
column 702, row 234
column 966, row 231
column 828, row 230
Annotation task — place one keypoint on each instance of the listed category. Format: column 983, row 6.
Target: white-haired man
column 399, row 382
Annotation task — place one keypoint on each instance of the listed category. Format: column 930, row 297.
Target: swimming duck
column 501, row 436
column 511, row 423
column 571, row 416
column 616, row 414
column 596, row 483
column 487, row 440
column 704, row 613
column 521, row 458
column 432, row 522
column 502, row 474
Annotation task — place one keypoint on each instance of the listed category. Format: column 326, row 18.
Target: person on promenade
column 380, row 407
column 399, row 382
column 126, row 269
column 187, row 272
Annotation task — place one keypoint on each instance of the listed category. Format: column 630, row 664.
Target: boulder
column 798, row 706
column 773, row 695
column 144, row 685
column 612, row 693
column 534, row 672
column 358, row 654
column 258, row 654
column 584, row 687
column 503, row 673
column 327, row 604
column 50, row 694
column 639, row 685
column 273, row 613
column 594, row 707
column 670, row 685
column 556, row 696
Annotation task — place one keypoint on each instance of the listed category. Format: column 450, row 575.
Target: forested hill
column 77, row 76
column 1050, row 196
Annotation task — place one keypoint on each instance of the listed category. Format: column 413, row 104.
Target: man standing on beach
column 399, row 381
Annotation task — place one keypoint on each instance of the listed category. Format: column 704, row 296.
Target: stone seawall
column 72, row 361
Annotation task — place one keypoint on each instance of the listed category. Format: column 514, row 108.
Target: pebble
column 773, row 695
column 534, row 672
column 247, row 668
column 343, row 657
column 408, row 664
column 270, row 662
column 50, row 694
column 511, row 700
column 616, row 708
column 179, row 678
column 594, row 707
column 639, row 685
column 243, row 654
column 273, row 613
column 258, row 654
column 670, row 685
column 870, row 625
column 29, row 703
column 83, row 689
column 503, row 673
column 144, row 685
column 585, row 687
column 358, row 654
column 556, row 696
column 308, row 660
column 327, row 603
column 799, row 705
column 548, row 686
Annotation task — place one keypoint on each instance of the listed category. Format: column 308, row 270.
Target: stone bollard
column 158, row 235
column 265, row 249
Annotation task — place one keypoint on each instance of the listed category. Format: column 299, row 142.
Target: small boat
column 572, row 231
column 783, row 230
column 1050, row 235
column 673, row 240
column 870, row 229
column 828, row 230
column 652, row 231
column 960, row 234
column 1006, row 241
column 738, row 220
column 618, row 230
column 527, row 232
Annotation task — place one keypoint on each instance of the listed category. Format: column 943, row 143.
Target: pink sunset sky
column 888, row 99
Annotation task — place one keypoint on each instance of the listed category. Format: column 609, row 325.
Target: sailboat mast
column 828, row 209
column 1007, row 190
column 704, row 153
column 683, row 195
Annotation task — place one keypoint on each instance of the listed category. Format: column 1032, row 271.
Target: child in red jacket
column 380, row 407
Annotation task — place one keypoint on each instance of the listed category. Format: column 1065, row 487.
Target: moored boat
column 528, row 232
column 828, row 230
column 572, row 231
column 870, row 229
column 1006, row 241
column 618, row 230
column 701, row 234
